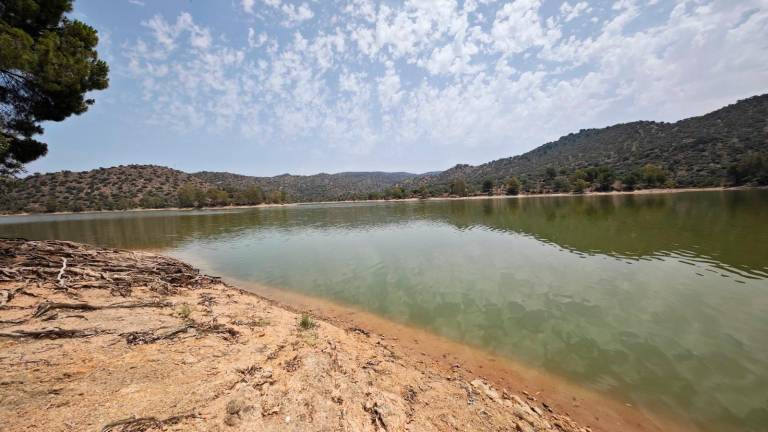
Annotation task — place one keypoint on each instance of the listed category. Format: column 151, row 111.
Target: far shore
column 443, row 198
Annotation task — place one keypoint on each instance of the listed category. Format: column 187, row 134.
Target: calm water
column 661, row 300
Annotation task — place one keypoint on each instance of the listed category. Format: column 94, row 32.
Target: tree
column 48, row 62
column 580, row 185
column 605, row 178
column 561, row 184
column 752, row 169
column 190, row 196
column 459, row 187
column 652, row 175
column 550, row 173
column 488, row 186
column 513, row 186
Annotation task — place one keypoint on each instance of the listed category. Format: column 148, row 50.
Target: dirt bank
column 101, row 339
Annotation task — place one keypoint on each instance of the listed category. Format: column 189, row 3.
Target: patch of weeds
column 262, row 322
column 184, row 311
column 306, row 322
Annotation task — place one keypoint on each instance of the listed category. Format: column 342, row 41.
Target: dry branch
column 54, row 333
column 46, row 307
column 133, row 424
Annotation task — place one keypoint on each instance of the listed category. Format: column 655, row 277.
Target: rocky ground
column 109, row 340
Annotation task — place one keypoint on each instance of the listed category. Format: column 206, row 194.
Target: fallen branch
column 55, row 333
column 143, row 423
column 46, row 307
column 61, row 273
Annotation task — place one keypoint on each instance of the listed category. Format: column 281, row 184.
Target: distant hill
column 694, row 152
column 318, row 187
column 149, row 186
column 726, row 147
column 100, row 189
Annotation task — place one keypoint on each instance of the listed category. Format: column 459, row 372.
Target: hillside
column 695, row 152
column 318, row 187
column 149, row 186
column 112, row 188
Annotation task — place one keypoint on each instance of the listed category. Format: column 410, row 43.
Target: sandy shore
column 112, row 340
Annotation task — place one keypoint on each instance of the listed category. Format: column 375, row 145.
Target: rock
column 487, row 390
column 230, row 420
column 234, row 406
column 523, row 427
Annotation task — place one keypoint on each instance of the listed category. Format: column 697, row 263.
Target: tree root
column 133, row 424
column 87, row 267
column 152, row 336
column 54, row 333
column 46, row 307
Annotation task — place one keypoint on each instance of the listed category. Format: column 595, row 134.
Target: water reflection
column 659, row 299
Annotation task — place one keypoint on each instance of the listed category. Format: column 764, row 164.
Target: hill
column 318, row 187
column 149, row 186
column 112, row 188
column 727, row 146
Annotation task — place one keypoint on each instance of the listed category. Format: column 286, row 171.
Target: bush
column 306, row 322
column 513, row 186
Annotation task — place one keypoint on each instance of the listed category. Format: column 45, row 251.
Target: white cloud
column 571, row 12
column 436, row 74
column 518, row 27
column 248, row 5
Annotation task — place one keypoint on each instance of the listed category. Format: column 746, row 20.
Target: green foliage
column 652, row 175
column 513, row 186
column 459, row 187
column 48, row 63
column 752, row 169
column 561, row 184
column 550, row 173
column 188, row 195
column 488, row 186
column 306, row 322
column 184, row 311
column 580, row 186
column 252, row 195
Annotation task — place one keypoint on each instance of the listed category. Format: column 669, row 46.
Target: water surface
column 659, row 300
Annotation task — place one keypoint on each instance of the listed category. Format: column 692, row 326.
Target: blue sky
column 264, row 87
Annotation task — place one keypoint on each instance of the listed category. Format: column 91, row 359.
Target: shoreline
column 601, row 412
column 475, row 197
column 106, row 338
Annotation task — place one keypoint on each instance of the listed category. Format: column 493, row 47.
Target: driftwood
column 134, row 424
column 46, row 307
column 94, row 268
column 54, row 333
column 152, row 336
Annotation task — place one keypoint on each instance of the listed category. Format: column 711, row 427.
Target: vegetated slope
column 318, row 187
column 119, row 187
column 694, row 152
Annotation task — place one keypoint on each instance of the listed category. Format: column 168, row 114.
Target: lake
column 660, row 300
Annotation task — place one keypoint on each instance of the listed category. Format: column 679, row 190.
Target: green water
column 659, row 300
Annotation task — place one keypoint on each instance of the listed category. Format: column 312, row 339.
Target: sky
column 265, row 87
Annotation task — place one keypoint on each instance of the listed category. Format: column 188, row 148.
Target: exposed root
column 152, row 336
column 46, row 307
column 133, row 424
column 54, row 333
column 60, row 276
column 88, row 267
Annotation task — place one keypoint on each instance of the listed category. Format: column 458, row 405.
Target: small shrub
column 184, row 311
column 306, row 322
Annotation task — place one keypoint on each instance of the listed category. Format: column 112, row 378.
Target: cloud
column 469, row 81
